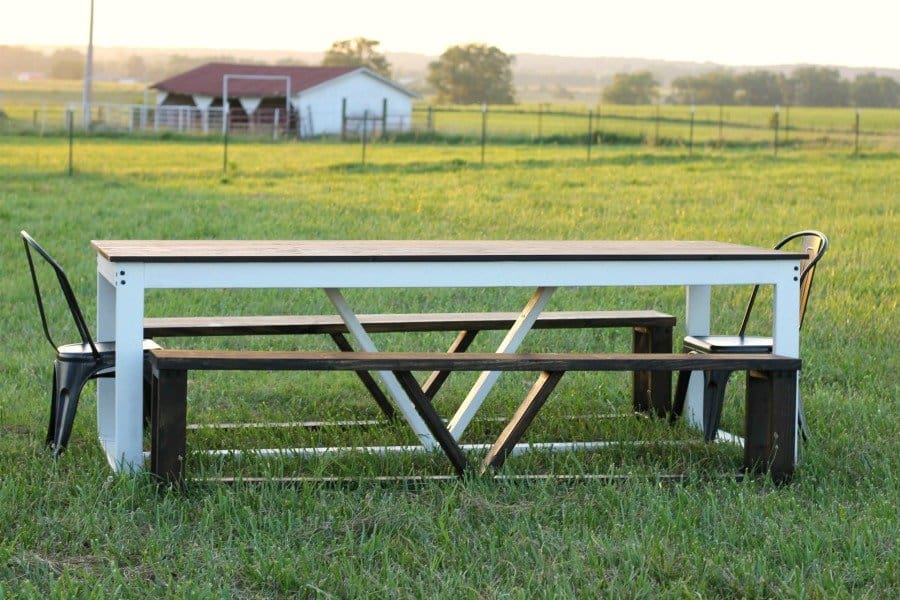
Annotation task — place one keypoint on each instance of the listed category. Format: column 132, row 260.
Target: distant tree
column 869, row 89
column 136, row 67
column 358, row 52
column 472, row 74
column 631, row 88
column 759, row 88
column 820, row 86
column 67, row 64
column 715, row 87
column 16, row 59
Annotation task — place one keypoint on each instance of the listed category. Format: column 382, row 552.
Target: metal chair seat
column 728, row 343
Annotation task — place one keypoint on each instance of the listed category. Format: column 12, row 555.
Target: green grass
column 69, row 530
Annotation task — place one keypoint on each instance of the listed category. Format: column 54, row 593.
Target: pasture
column 69, row 529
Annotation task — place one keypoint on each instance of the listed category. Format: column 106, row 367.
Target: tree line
column 805, row 86
column 480, row 73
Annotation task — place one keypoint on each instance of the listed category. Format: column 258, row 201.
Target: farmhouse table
column 127, row 268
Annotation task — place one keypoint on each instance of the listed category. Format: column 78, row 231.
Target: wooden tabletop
column 424, row 250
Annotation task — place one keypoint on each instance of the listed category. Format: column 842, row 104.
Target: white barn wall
column 364, row 92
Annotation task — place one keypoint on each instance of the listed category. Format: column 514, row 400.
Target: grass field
column 67, row 529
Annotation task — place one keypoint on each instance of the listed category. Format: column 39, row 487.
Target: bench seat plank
column 388, row 323
column 263, row 360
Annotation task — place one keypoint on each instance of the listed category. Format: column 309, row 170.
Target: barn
column 310, row 101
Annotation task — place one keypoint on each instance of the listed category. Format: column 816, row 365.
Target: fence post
column 365, row 135
column 775, row 126
column 787, row 121
column 483, row 129
column 540, row 134
column 590, row 139
column 383, row 117
column 691, row 137
column 856, row 140
column 70, row 125
column 656, row 131
column 721, row 138
column 225, row 143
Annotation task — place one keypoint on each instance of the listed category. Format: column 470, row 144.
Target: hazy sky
column 753, row 32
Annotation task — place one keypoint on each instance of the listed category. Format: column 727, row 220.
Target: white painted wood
column 697, row 322
column 438, row 274
column 129, row 334
column 407, row 408
column 510, row 343
column 518, row 450
column 786, row 327
column 106, row 330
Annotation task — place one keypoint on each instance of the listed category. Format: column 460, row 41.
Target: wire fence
column 688, row 127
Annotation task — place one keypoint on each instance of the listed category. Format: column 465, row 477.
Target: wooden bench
column 652, row 332
column 770, row 411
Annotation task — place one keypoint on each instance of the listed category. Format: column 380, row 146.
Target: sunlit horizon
column 765, row 32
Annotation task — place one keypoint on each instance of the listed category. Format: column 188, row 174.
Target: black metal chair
column 75, row 364
column 815, row 244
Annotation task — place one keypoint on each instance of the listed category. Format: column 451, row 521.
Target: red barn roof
column 207, row 80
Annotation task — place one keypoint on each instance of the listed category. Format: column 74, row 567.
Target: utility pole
column 88, row 74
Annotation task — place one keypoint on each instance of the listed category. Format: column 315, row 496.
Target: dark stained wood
column 388, row 323
column 521, row 420
column 368, row 381
column 168, row 425
column 260, row 360
column 434, row 422
column 424, row 251
column 770, row 423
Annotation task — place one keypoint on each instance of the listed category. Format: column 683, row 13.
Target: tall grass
column 69, row 530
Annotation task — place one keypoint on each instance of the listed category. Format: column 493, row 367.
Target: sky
column 862, row 33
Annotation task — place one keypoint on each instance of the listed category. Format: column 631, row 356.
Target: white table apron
column 120, row 311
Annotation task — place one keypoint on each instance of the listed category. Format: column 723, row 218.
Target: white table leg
column 129, row 336
column 697, row 318
column 511, row 342
column 786, row 328
column 106, row 388
column 390, row 380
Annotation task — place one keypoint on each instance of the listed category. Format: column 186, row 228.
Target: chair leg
column 801, row 421
column 50, row 442
column 70, row 379
column 713, row 399
column 681, row 386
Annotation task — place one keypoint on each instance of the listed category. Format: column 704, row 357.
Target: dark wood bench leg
column 522, row 418
column 652, row 389
column 437, row 379
column 433, row 421
column 770, row 423
column 374, row 390
column 168, row 426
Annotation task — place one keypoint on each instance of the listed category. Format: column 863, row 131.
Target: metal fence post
column 590, row 138
column 365, row 134
column 483, row 129
column 70, row 124
column 775, row 118
column 691, row 135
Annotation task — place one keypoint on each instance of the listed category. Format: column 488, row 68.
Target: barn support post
column 384, row 107
column 343, row 119
column 275, row 123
